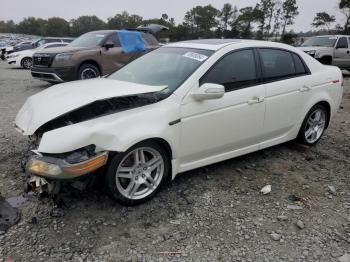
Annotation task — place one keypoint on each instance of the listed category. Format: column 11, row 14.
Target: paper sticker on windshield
column 195, row 56
column 100, row 35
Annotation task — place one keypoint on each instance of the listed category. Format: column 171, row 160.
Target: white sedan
column 180, row 107
column 24, row 58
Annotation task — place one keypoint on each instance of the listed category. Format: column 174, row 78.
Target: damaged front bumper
column 58, row 168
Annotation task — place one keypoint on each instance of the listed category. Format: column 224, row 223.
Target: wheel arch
column 326, row 59
column 328, row 107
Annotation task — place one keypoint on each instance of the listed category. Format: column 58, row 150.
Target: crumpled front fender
column 116, row 132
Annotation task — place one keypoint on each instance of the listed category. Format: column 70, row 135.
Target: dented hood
column 63, row 98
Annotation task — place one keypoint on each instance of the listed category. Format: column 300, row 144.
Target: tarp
column 131, row 41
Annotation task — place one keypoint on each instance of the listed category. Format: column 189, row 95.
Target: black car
column 33, row 44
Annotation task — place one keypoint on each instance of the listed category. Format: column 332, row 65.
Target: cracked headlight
column 63, row 57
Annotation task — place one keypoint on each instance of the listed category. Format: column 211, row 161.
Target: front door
column 114, row 58
column 342, row 53
column 217, row 127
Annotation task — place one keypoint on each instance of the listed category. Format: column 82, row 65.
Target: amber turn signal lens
column 86, row 167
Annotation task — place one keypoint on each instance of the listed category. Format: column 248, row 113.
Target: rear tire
column 88, row 71
column 313, row 125
column 135, row 176
column 27, row 63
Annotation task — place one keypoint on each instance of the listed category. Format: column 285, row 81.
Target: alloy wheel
column 139, row 173
column 27, row 63
column 315, row 126
column 88, row 73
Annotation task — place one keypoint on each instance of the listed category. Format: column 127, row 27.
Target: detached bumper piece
column 57, row 168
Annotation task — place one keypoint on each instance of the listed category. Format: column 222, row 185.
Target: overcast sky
column 68, row 9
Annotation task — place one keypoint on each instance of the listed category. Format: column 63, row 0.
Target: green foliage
column 32, row 26
column 84, row 24
column 57, row 26
column 323, row 19
column 268, row 19
column 289, row 12
column 124, row 20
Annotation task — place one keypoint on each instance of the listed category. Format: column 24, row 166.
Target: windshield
column 88, row 40
column 320, row 41
column 165, row 66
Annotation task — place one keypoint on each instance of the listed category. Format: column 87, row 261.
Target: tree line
column 267, row 19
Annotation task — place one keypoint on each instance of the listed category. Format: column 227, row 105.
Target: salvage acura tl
column 180, row 107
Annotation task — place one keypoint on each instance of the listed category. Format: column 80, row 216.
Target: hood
column 63, row 98
column 24, row 52
column 62, row 49
column 312, row 48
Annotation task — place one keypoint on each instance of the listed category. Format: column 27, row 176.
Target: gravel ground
column 209, row 214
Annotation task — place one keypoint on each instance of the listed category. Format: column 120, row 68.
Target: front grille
column 42, row 60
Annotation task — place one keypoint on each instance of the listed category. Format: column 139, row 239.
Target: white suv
column 329, row 50
column 180, row 107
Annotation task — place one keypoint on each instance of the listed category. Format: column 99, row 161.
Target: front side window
column 89, row 40
column 342, row 43
column 277, row 64
column 113, row 39
column 166, row 66
column 234, row 71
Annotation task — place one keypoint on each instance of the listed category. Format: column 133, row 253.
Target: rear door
column 342, row 53
column 287, row 84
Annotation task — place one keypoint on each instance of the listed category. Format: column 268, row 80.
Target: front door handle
column 305, row 88
column 256, row 100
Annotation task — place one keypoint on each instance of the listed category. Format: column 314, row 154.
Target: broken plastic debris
column 266, row 190
column 295, row 198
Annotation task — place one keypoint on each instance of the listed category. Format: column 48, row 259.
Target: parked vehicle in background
column 177, row 108
column 33, row 44
column 94, row 54
column 24, row 58
column 329, row 49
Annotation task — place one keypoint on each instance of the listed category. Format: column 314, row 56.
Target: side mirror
column 108, row 45
column 209, row 91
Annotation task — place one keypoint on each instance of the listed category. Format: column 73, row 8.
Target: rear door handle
column 256, row 100
column 305, row 88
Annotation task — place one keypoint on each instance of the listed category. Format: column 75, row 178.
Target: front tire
column 88, row 71
column 313, row 125
column 27, row 63
column 135, row 176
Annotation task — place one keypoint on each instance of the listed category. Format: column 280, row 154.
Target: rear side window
column 235, row 71
column 299, row 66
column 279, row 64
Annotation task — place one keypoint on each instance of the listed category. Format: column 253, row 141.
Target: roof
column 333, row 36
column 210, row 44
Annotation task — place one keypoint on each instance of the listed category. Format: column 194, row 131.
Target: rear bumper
column 57, row 75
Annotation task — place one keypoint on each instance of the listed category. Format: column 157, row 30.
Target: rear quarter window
column 150, row 39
